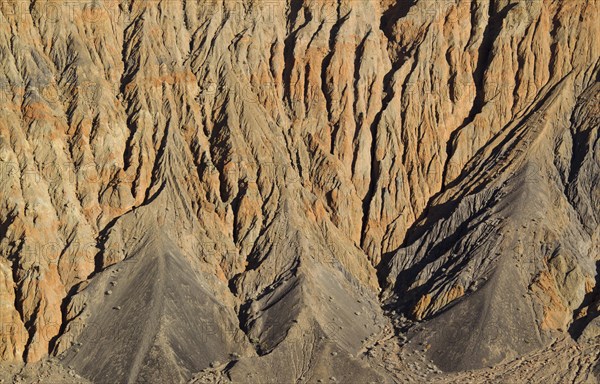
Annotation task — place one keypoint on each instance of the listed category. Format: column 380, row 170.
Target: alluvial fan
column 299, row 191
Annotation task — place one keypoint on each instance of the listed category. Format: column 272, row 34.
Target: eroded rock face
column 302, row 177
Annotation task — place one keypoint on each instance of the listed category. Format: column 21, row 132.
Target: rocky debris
column 282, row 170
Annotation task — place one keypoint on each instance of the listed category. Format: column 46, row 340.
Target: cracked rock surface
column 216, row 191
